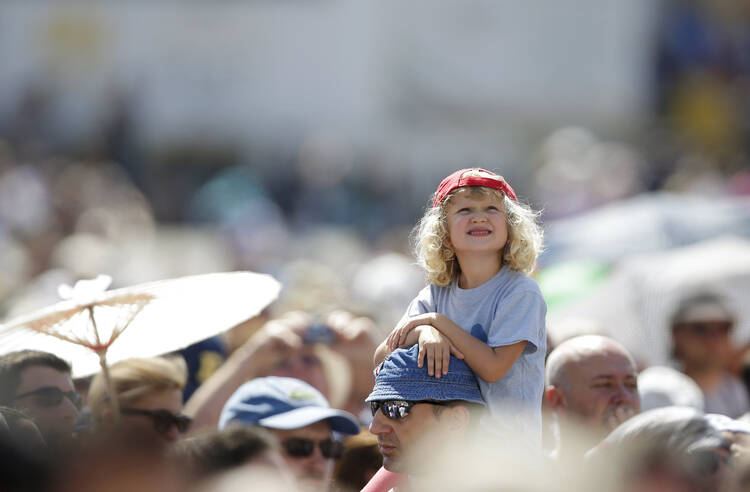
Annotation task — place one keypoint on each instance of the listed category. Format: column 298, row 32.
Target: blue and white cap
column 283, row 403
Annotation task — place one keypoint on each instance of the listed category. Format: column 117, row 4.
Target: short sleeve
column 421, row 304
column 519, row 317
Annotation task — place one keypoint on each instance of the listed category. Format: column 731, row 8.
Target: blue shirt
column 507, row 309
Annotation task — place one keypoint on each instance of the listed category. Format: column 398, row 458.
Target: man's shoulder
column 384, row 481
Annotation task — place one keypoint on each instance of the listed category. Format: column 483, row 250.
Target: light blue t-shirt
column 507, row 309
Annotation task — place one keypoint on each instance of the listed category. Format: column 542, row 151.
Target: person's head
column 19, row 429
column 408, row 405
column 662, row 386
column 674, row 444
column 149, row 392
column 302, row 420
column 24, row 461
column 39, row 384
column 359, row 463
column 475, row 211
column 593, row 380
column 701, row 326
column 252, row 448
column 118, row 460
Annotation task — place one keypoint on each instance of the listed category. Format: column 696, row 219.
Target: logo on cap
column 299, row 395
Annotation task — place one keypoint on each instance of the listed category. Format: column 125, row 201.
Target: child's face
column 476, row 223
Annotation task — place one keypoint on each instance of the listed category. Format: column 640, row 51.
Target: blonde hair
column 438, row 259
column 135, row 378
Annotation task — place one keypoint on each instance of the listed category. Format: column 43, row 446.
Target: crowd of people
column 466, row 392
column 355, row 379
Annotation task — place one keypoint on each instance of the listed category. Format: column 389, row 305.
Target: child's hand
column 438, row 349
column 400, row 334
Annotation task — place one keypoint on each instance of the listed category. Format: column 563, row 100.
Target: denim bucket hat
column 399, row 378
column 283, row 403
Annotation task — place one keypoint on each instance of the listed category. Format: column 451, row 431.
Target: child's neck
column 476, row 270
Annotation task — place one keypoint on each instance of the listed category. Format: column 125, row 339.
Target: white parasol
column 635, row 304
column 93, row 326
column 646, row 223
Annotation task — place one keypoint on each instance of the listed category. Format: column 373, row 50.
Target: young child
column 478, row 245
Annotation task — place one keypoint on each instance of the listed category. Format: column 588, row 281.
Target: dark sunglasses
column 398, row 409
column 51, row 396
column 163, row 419
column 302, row 448
column 704, row 328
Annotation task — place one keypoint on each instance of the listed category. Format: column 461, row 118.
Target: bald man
column 591, row 381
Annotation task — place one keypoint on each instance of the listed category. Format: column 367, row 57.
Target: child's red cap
column 457, row 180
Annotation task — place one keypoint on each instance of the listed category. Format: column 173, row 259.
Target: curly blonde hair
column 439, row 260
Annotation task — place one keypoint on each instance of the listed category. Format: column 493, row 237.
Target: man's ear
column 456, row 417
column 555, row 397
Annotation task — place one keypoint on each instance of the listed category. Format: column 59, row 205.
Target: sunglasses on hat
column 51, row 396
column 398, row 409
column 301, row 447
column 163, row 419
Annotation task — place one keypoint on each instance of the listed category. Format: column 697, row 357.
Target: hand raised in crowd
column 276, row 341
column 286, row 346
column 346, row 334
column 354, row 336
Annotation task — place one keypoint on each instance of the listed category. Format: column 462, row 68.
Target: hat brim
column 340, row 420
column 413, row 389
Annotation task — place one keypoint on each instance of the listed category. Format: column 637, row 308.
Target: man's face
column 703, row 344
column 304, row 365
column 312, row 472
column 54, row 417
column 169, row 400
column 397, row 438
column 602, row 388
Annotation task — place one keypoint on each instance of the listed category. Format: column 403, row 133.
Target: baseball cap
column 701, row 308
column 399, row 378
column 458, row 180
column 283, row 403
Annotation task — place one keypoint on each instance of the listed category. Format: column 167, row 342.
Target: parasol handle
column 102, row 353
column 113, row 403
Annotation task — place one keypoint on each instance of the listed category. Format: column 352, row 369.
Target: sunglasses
column 399, row 409
column 51, row 396
column 163, row 419
column 705, row 328
column 302, row 448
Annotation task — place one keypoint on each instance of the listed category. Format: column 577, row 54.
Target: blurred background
column 149, row 140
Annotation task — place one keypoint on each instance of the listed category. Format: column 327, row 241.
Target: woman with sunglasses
column 149, row 391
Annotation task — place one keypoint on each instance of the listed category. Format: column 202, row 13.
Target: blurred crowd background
column 149, row 140
column 152, row 140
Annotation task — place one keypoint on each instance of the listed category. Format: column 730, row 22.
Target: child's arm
column 381, row 353
column 431, row 342
column 384, row 348
column 489, row 363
